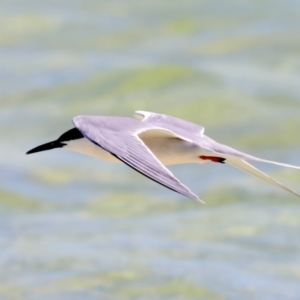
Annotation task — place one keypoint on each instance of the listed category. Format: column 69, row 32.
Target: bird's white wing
column 119, row 136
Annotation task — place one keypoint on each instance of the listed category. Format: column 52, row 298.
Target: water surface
column 73, row 227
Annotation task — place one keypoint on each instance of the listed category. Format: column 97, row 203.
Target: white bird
column 151, row 141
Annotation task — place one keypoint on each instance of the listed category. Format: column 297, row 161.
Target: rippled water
column 72, row 227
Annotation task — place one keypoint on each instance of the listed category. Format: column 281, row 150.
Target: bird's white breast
column 172, row 151
column 85, row 146
column 169, row 151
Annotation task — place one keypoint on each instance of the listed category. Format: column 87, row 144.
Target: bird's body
column 151, row 141
column 85, row 146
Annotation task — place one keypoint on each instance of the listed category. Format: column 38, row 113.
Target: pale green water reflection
column 73, row 227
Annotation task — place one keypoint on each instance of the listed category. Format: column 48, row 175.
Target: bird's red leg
column 213, row 158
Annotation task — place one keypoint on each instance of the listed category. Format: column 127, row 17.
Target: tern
column 150, row 141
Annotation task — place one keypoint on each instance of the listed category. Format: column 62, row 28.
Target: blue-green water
column 72, row 227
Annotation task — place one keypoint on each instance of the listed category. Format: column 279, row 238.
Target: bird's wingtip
column 195, row 197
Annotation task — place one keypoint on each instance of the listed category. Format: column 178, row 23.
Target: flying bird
column 151, row 141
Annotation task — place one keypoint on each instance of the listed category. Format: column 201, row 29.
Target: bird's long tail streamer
column 246, row 167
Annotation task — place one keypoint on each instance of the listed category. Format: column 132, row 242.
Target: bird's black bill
column 72, row 134
column 48, row 146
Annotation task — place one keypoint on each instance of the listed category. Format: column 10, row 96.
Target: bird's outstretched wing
column 119, row 136
column 186, row 130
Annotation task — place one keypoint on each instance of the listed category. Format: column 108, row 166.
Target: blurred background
column 73, row 227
